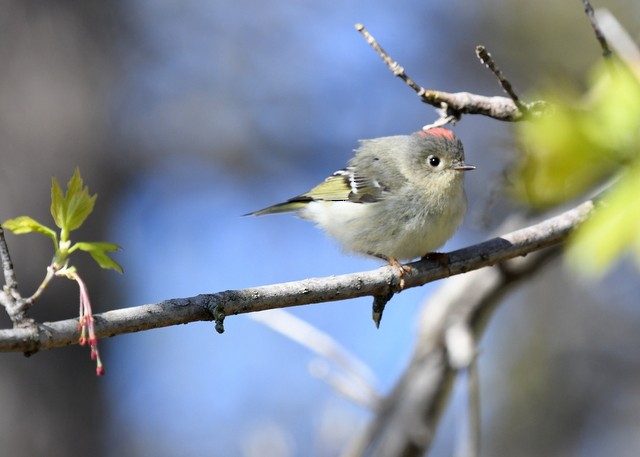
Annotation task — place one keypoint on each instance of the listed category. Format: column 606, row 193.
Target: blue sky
column 236, row 106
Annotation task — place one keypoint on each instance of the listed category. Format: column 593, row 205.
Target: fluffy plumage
column 400, row 197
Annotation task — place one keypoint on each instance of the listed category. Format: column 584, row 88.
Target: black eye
column 434, row 161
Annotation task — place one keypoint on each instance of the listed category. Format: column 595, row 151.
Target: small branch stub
column 379, row 303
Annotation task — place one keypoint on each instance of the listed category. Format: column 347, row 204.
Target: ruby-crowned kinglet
column 401, row 197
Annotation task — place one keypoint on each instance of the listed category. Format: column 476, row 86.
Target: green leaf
column 57, row 202
column 71, row 210
column 98, row 250
column 613, row 228
column 569, row 151
column 26, row 224
column 582, row 143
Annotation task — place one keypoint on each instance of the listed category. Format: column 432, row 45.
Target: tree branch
column 453, row 105
column 407, row 419
column 15, row 305
column 10, row 280
column 216, row 306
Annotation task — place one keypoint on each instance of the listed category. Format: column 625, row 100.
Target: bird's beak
column 461, row 166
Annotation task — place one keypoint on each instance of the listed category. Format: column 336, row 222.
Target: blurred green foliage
column 581, row 144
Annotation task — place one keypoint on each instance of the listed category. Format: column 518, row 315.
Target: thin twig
column 454, row 105
column 485, row 58
column 15, row 306
column 461, row 351
column 344, row 385
column 394, row 66
column 7, row 265
column 51, row 271
column 358, row 382
column 550, row 232
column 588, row 9
column 473, row 387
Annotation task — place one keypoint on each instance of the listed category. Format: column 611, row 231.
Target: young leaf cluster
column 69, row 210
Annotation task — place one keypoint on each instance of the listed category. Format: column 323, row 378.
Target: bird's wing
column 348, row 185
column 345, row 185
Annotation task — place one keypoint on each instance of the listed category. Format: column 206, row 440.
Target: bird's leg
column 400, row 268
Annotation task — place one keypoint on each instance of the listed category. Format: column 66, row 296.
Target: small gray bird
column 401, row 197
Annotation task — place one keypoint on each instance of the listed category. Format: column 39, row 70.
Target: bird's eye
column 434, row 161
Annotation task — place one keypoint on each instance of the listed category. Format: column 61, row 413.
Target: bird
column 399, row 198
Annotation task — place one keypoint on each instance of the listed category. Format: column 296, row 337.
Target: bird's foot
column 402, row 270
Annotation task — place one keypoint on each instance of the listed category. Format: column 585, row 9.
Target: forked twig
column 453, row 105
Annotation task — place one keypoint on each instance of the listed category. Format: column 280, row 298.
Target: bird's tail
column 294, row 204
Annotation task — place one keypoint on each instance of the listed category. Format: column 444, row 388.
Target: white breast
column 399, row 227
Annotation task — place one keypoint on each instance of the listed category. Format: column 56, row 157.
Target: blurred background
column 184, row 115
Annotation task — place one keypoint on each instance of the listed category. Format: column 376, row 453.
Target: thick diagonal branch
column 406, row 422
